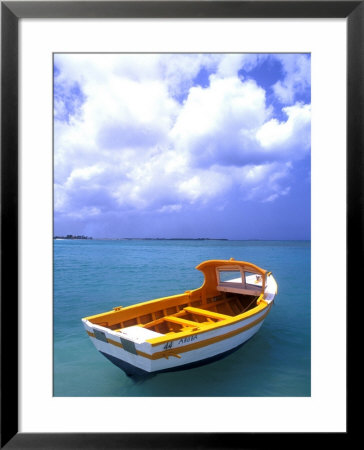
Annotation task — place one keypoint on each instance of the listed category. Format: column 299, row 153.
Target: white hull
column 154, row 359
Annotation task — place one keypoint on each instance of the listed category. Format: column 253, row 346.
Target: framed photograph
column 141, row 140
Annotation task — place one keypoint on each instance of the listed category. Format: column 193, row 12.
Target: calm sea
column 93, row 276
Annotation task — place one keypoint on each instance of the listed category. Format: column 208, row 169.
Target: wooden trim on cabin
column 235, row 289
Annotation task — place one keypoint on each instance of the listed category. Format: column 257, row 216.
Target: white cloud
column 218, row 123
column 131, row 145
column 230, row 64
column 297, row 70
column 87, row 211
column 170, row 208
column 83, row 174
column 290, row 138
column 265, row 182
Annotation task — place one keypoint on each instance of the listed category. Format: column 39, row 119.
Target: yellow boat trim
column 196, row 345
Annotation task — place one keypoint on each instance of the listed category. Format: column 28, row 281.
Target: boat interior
column 185, row 316
column 222, row 296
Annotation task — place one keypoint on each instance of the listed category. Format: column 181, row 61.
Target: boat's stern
column 127, row 348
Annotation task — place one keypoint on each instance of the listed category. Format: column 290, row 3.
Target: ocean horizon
column 75, row 238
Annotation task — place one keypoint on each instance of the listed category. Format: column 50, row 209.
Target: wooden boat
column 189, row 329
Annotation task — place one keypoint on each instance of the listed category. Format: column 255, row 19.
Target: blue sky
column 182, row 145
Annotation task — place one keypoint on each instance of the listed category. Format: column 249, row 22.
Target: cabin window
column 253, row 279
column 238, row 280
column 231, row 276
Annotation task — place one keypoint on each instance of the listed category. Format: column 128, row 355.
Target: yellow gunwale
column 131, row 307
column 201, row 328
column 196, row 345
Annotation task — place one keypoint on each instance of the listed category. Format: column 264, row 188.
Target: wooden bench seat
column 179, row 320
column 206, row 313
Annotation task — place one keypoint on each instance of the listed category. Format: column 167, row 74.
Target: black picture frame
column 11, row 12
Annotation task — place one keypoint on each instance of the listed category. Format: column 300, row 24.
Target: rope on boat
column 245, row 309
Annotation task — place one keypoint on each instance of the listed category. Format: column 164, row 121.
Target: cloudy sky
column 182, row 145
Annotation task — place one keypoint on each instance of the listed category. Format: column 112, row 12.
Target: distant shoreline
column 171, row 239
column 70, row 237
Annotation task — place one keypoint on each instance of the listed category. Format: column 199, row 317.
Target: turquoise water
column 93, row 276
